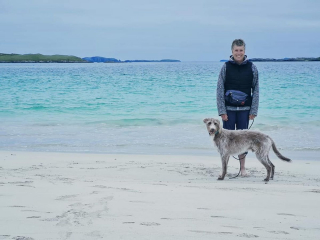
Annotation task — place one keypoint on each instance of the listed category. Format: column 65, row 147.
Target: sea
column 147, row 108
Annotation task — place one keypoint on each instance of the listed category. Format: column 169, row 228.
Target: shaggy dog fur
column 230, row 142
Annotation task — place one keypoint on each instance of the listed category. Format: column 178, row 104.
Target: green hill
column 38, row 58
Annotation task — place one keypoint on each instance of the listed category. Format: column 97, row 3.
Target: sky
column 197, row 30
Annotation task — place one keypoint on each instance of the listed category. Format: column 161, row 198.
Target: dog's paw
column 266, row 179
column 220, row 178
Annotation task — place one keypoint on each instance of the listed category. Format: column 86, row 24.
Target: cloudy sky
column 189, row 30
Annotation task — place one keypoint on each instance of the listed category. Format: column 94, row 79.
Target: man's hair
column 239, row 43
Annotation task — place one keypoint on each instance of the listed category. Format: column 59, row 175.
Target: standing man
column 238, row 74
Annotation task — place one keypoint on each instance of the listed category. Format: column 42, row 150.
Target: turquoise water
column 152, row 108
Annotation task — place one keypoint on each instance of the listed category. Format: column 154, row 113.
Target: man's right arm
column 220, row 92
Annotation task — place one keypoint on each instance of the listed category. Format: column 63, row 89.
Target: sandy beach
column 100, row 196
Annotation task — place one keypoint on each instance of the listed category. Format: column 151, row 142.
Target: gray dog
column 231, row 142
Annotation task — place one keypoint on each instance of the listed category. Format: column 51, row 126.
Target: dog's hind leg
column 224, row 160
column 269, row 169
column 265, row 163
column 272, row 168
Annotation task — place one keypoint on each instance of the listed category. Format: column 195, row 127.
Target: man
column 240, row 75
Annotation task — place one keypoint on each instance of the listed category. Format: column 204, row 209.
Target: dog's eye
column 209, row 123
column 215, row 123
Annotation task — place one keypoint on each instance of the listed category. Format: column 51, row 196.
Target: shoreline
column 300, row 155
column 124, row 196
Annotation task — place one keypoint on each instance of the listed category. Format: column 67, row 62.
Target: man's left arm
column 255, row 93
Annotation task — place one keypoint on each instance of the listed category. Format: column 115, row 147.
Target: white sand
column 96, row 196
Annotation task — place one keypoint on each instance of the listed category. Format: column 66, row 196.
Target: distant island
column 114, row 60
column 39, row 58
column 162, row 60
column 101, row 60
column 298, row 59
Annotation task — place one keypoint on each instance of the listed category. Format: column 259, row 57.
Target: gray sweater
column 222, row 108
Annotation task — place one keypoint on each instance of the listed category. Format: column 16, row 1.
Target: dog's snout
column 212, row 130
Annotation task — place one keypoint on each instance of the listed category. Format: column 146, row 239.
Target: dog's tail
column 279, row 155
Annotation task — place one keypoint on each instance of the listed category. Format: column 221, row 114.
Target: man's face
column 238, row 53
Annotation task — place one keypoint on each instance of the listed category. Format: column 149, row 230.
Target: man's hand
column 251, row 117
column 224, row 117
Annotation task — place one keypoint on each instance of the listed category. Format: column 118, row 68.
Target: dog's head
column 213, row 126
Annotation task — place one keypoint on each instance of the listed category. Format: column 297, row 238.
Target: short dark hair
column 238, row 42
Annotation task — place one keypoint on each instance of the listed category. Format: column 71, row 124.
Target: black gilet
column 239, row 77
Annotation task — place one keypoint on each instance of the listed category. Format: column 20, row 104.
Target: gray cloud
column 181, row 29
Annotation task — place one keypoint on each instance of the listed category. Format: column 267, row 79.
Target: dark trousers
column 237, row 120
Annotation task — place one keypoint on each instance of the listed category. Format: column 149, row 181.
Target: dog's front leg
column 224, row 161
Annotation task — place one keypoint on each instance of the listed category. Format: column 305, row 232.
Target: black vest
column 239, row 77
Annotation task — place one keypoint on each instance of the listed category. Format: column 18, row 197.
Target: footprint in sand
column 286, row 214
column 247, row 235
column 279, row 232
column 315, row 190
column 22, row 238
column 295, row 228
column 150, row 224
column 199, row 231
column 66, row 197
column 217, row 216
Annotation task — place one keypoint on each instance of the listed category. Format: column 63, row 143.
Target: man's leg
column 231, row 123
column 242, row 122
column 242, row 119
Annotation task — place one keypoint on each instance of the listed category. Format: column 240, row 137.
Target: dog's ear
column 219, row 124
column 205, row 120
